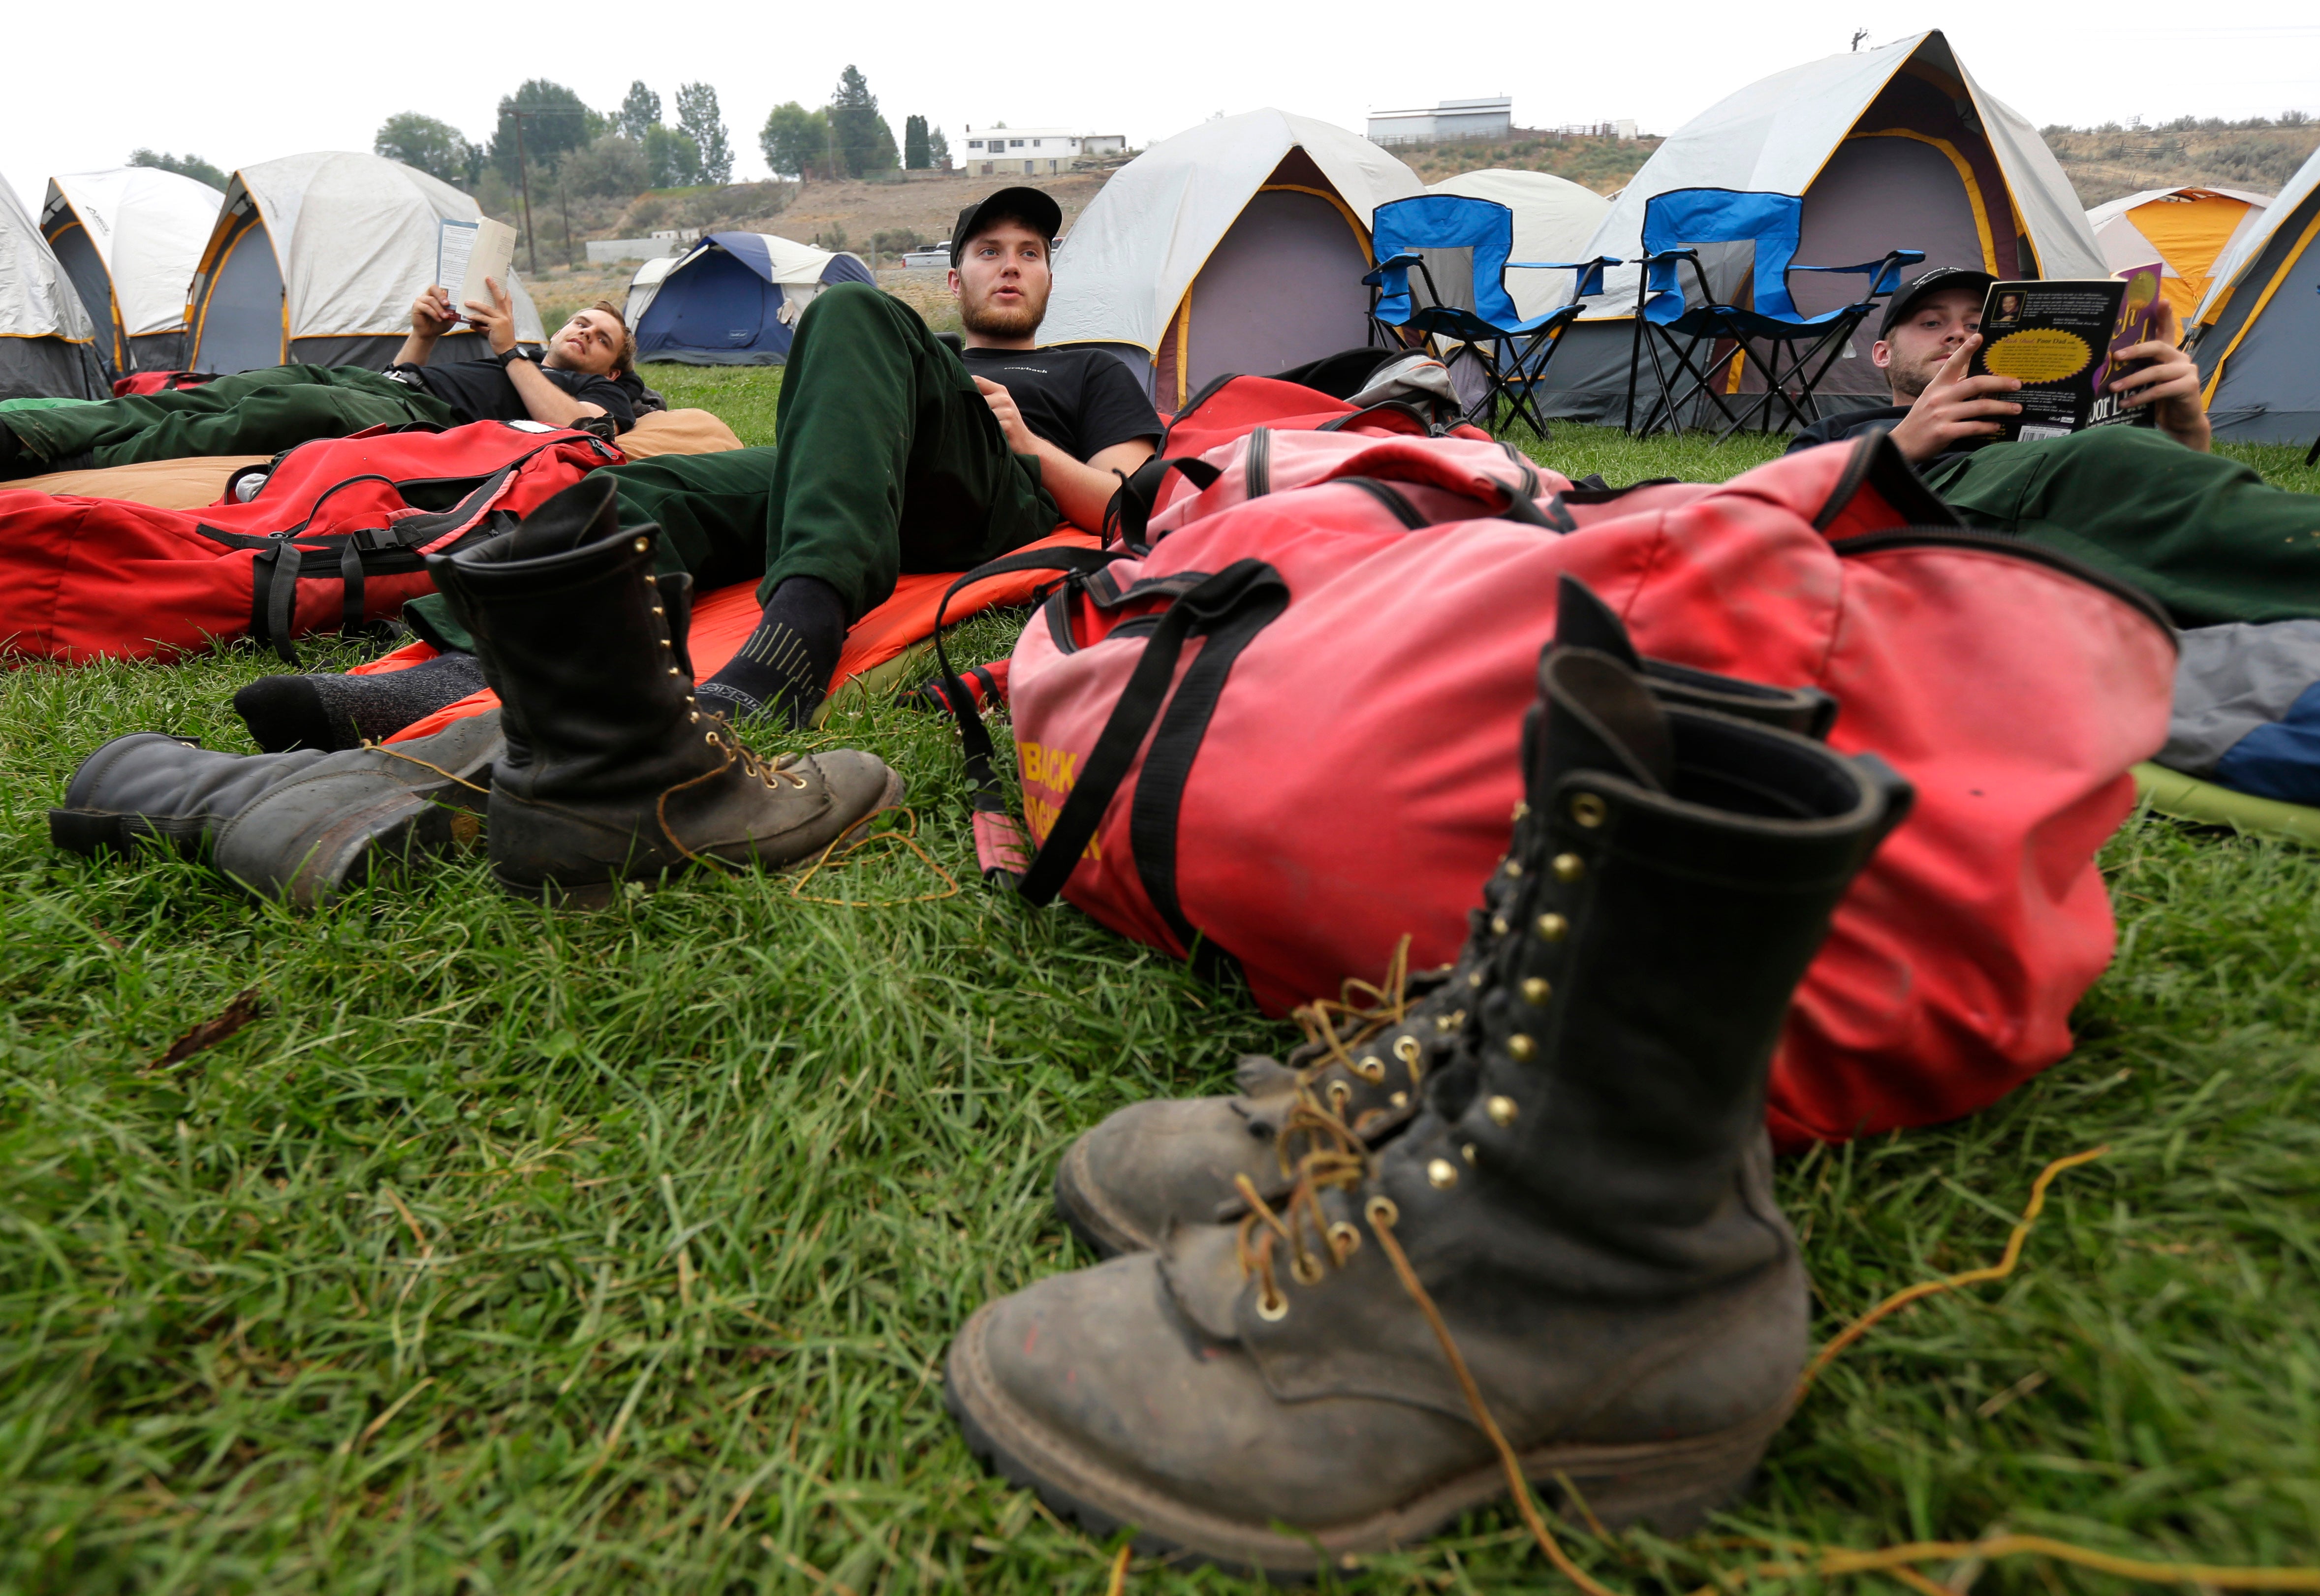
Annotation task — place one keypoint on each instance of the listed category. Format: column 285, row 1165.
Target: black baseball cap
column 1931, row 282
column 1030, row 206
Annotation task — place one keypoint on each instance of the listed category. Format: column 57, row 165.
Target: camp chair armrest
column 1398, row 263
column 1887, row 271
column 1589, row 282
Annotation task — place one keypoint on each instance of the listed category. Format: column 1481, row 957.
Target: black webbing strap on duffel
column 1129, row 514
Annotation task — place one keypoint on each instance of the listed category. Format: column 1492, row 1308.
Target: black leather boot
column 300, row 826
column 1175, row 1160
column 1585, row 1198
column 614, row 772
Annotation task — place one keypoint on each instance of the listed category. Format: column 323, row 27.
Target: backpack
column 1285, row 735
column 330, row 533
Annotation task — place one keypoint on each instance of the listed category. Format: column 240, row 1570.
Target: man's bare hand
column 1955, row 407
column 496, row 319
column 1011, row 420
column 2169, row 386
column 430, row 312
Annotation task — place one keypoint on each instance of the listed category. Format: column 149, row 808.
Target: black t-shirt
column 1082, row 400
column 482, row 391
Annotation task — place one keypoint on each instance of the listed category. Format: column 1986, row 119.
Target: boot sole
column 1672, row 1485
column 600, row 894
column 1083, row 1214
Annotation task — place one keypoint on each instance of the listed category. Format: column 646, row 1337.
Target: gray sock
column 347, row 712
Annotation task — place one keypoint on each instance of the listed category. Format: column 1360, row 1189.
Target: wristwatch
column 518, row 353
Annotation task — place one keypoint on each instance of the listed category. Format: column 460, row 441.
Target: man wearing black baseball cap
column 2152, row 505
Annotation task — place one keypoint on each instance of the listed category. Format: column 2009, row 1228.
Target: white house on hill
column 1452, row 119
column 1003, row 151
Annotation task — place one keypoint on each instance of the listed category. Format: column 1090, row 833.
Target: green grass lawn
column 512, row 1251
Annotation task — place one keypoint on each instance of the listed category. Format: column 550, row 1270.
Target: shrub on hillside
column 611, row 165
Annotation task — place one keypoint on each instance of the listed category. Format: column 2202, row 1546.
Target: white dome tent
column 1892, row 148
column 2257, row 331
column 130, row 238
column 314, row 261
column 47, row 341
column 1237, row 246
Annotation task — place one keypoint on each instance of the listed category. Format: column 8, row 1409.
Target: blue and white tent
column 733, row 299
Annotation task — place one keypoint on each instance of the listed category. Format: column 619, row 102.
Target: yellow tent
column 2185, row 229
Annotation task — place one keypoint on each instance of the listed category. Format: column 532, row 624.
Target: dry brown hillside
column 2107, row 163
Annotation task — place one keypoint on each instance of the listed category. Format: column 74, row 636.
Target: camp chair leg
column 2312, row 456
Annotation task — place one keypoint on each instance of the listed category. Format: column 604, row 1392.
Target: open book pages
column 467, row 252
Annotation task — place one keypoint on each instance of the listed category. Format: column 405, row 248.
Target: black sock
column 347, row 712
column 785, row 665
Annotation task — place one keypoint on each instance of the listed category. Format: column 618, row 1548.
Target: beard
column 985, row 320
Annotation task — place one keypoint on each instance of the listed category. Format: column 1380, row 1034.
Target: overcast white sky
column 240, row 81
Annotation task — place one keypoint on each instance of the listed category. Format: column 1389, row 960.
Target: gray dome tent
column 2258, row 331
column 47, row 345
column 129, row 237
column 1895, row 148
column 315, row 259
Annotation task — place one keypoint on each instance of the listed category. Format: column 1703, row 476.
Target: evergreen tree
column 864, row 142
column 639, row 112
column 697, row 114
column 915, row 155
column 938, row 148
column 555, row 120
column 672, row 160
column 797, row 141
column 436, row 148
column 188, row 165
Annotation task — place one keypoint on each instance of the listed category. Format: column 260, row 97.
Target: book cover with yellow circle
column 2039, row 355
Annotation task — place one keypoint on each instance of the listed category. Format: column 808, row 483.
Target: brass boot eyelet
column 1381, row 1210
column 1569, row 867
column 641, row 544
column 1553, row 927
column 1340, row 1095
column 1371, row 1069
column 1273, row 1309
column 1345, row 1241
column 1522, row 1049
column 1499, row 925
column 1399, row 1099
column 1441, row 1174
column 1406, row 1049
column 1514, row 867
column 1589, row 810
column 1307, row 1270
column 1522, row 810
column 1467, row 1152
column 1535, row 992
column 1502, row 1111
column 1474, row 979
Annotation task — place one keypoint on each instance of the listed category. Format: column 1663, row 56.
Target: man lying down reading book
column 893, row 453
column 2152, row 505
column 582, row 380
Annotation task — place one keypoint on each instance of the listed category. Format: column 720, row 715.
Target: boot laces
column 719, row 736
column 1337, row 1161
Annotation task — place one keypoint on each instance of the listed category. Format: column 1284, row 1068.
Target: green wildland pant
column 886, row 459
column 251, row 413
column 2206, row 536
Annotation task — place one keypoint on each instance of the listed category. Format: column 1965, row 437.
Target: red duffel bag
column 1286, row 735
column 332, row 533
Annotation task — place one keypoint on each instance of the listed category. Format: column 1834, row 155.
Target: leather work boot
column 614, row 772
column 1367, row 1054
column 1585, row 1198
column 297, row 826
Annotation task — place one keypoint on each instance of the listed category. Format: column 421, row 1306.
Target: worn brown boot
column 1585, row 1198
column 1175, row 1160
column 614, row 772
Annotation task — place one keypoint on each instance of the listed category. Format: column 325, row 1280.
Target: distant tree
column 188, row 165
column 938, row 148
column 637, row 113
column 797, row 141
column 614, row 165
column 697, row 114
column 555, row 120
column 672, row 160
column 436, row 148
column 864, row 142
column 2294, row 119
column 915, row 154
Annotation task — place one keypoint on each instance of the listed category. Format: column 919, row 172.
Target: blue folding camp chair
column 1791, row 351
column 1449, row 230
